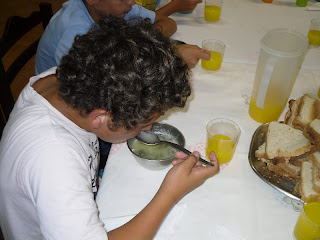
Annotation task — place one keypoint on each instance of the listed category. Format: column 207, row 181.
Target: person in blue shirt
column 77, row 16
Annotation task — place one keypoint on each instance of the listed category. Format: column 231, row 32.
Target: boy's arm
column 165, row 24
column 185, row 176
column 178, row 6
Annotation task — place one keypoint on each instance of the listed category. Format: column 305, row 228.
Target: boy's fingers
column 180, row 155
column 204, row 54
column 212, row 156
column 191, row 160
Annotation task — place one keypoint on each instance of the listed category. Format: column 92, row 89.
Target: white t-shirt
column 48, row 173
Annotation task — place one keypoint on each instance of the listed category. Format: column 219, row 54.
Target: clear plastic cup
column 216, row 49
column 222, row 138
column 302, row 3
column 308, row 224
column 314, row 32
column 212, row 10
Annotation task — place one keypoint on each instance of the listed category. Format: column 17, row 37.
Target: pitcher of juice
column 280, row 59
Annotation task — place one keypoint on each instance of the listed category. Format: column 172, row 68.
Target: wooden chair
column 16, row 27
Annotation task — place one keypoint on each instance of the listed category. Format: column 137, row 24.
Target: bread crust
column 312, row 134
column 292, row 112
column 316, row 179
column 281, row 172
column 305, row 113
column 315, row 158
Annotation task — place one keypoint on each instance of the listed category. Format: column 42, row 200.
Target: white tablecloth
column 242, row 25
column 236, row 200
column 236, row 203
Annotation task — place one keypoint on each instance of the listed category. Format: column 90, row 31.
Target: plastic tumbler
column 308, row 224
column 216, row 49
column 212, row 10
column 302, row 3
column 280, row 59
column 222, row 138
column 314, row 32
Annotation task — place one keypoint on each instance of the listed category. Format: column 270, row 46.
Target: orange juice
column 271, row 111
column 314, row 37
column 212, row 13
column 148, row 4
column 214, row 63
column 223, row 147
column 267, row 1
column 319, row 93
column 308, row 224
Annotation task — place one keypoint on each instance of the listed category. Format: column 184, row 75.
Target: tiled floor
column 23, row 8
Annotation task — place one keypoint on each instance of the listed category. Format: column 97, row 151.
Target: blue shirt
column 71, row 20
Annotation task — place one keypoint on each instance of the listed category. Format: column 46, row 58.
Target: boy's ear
column 98, row 117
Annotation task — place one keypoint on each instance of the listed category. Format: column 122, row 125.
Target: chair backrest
column 16, row 27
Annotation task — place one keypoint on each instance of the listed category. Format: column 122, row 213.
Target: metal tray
column 260, row 168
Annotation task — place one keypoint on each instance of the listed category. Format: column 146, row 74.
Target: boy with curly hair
column 115, row 82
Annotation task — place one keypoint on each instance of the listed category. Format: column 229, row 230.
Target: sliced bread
column 285, row 170
column 316, row 179
column 279, row 171
column 261, row 151
column 292, row 112
column 306, row 112
column 296, row 160
column 312, row 132
column 306, row 183
column 315, row 158
column 292, row 170
column 285, row 141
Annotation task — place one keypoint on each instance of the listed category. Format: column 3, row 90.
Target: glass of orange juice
column 216, row 49
column 212, row 10
column 314, row 32
column 308, row 224
column 222, row 138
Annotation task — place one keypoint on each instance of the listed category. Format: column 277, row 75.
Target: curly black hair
column 127, row 68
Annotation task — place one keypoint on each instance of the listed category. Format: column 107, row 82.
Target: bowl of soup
column 160, row 156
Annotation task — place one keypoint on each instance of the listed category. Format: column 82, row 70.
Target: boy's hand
column 192, row 53
column 187, row 174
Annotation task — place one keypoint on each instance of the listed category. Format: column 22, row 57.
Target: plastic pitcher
column 280, row 59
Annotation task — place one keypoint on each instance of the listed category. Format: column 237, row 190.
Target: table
column 242, row 25
column 236, row 203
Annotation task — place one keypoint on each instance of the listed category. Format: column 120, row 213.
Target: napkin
column 165, row 230
column 314, row 7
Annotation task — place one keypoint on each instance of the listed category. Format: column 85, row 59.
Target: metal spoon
column 150, row 138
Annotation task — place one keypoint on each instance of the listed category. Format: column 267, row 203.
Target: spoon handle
column 179, row 147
